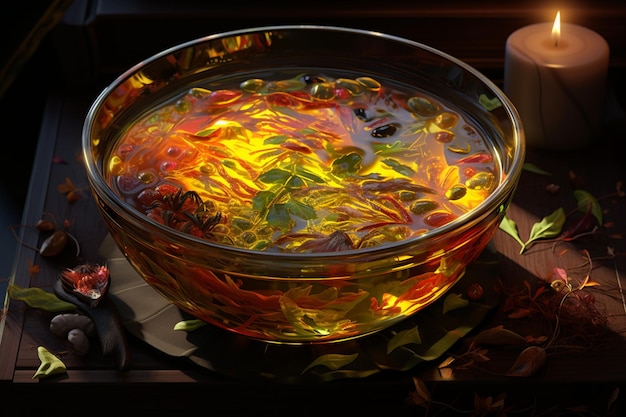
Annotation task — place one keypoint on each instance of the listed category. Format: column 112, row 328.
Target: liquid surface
column 305, row 163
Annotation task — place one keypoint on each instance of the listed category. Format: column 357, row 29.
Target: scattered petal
column 58, row 160
column 553, row 188
column 475, row 291
column 446, row 373
column 447, row 362
column 89, row 282
column 66, row 187
column 33, row 269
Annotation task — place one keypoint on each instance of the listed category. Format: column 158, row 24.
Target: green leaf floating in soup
column 303, row 164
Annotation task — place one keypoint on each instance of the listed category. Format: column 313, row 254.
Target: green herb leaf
column 549, row 226
column 275, row 140
column 304, row 211
column 50, row 364
column 533, row 168
column 510, row 227
column 347, row 165
column 294, row 183
column 389, row 148
column 398, row 167
column 585, row 199
column 454, row 301
column 189, row 325
column 209, row 132
column 262, row 199
column 278, row 216
column 308, row 175
column 38, row 298
column 332, row 361
column 404, row 337
column 414, row 128
column 275, row 176
column 489, row 103
column 288, row 111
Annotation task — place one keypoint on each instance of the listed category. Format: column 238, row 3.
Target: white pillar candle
column 557, row 84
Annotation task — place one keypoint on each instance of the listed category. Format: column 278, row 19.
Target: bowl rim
column 506, row 186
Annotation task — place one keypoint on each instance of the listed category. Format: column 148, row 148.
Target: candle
column 555, row 75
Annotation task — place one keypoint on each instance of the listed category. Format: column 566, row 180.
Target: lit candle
column 555, row 75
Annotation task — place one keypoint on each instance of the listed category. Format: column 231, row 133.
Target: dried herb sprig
column 185, row 211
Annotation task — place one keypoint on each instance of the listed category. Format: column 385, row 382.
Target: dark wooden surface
column 582, row 375
column 602, row 364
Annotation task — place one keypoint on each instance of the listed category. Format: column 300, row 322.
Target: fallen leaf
column 454, row 301
column 189, row 325
column 528, row 362
column 50, row 364
column 66, row 187
column 422, row 394
column 404, row 337
column 33, row 269
column 498, row 335
column 332, row 361
column 38, row 298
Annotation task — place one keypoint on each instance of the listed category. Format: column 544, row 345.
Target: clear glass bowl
column 302, row 297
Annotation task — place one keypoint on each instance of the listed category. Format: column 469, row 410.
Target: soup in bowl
column 302, row 184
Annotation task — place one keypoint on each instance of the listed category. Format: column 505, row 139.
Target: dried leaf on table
column 50, row 364
column 404, row 337
column 528, row 362
column 498, row 335
column 454, row 301
column 421, row 396
column 38, row 298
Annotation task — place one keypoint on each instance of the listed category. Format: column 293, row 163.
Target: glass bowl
column 315, row 255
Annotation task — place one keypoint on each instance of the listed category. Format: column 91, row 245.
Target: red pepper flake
column 477, row 157
column 439, row 218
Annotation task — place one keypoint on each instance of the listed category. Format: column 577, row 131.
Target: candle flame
column 556, row 29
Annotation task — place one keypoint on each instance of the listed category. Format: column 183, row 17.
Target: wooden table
column 587, row 372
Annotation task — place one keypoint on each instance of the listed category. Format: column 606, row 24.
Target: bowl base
column 151, row 318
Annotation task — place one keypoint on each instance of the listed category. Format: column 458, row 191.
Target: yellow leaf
column 189, row 325
column 38, row 298
column 50, row 364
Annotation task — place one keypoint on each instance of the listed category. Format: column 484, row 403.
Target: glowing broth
column 304, row 163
